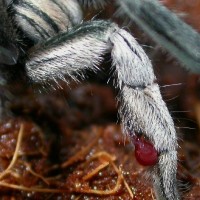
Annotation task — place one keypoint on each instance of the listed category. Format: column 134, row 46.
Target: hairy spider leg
column 142, row 108
column 167, row 29
column 40, row 20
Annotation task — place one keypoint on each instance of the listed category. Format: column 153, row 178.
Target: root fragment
column 15, row 155
column 82, row 153
column 104, row 160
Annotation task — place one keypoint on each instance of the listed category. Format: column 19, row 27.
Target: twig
column 15, row 155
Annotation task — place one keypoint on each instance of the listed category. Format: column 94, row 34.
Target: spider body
column 49, row 41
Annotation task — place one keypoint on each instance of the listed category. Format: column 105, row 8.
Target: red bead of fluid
column 145, row 152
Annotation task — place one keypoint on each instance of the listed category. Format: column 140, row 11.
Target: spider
column 48, row 41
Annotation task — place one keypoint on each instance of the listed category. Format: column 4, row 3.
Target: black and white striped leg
column 142, row 108
column 39, row 20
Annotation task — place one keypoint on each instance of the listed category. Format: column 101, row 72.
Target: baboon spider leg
column 142, row 109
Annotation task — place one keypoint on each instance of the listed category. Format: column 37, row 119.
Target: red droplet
column 145, row 152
